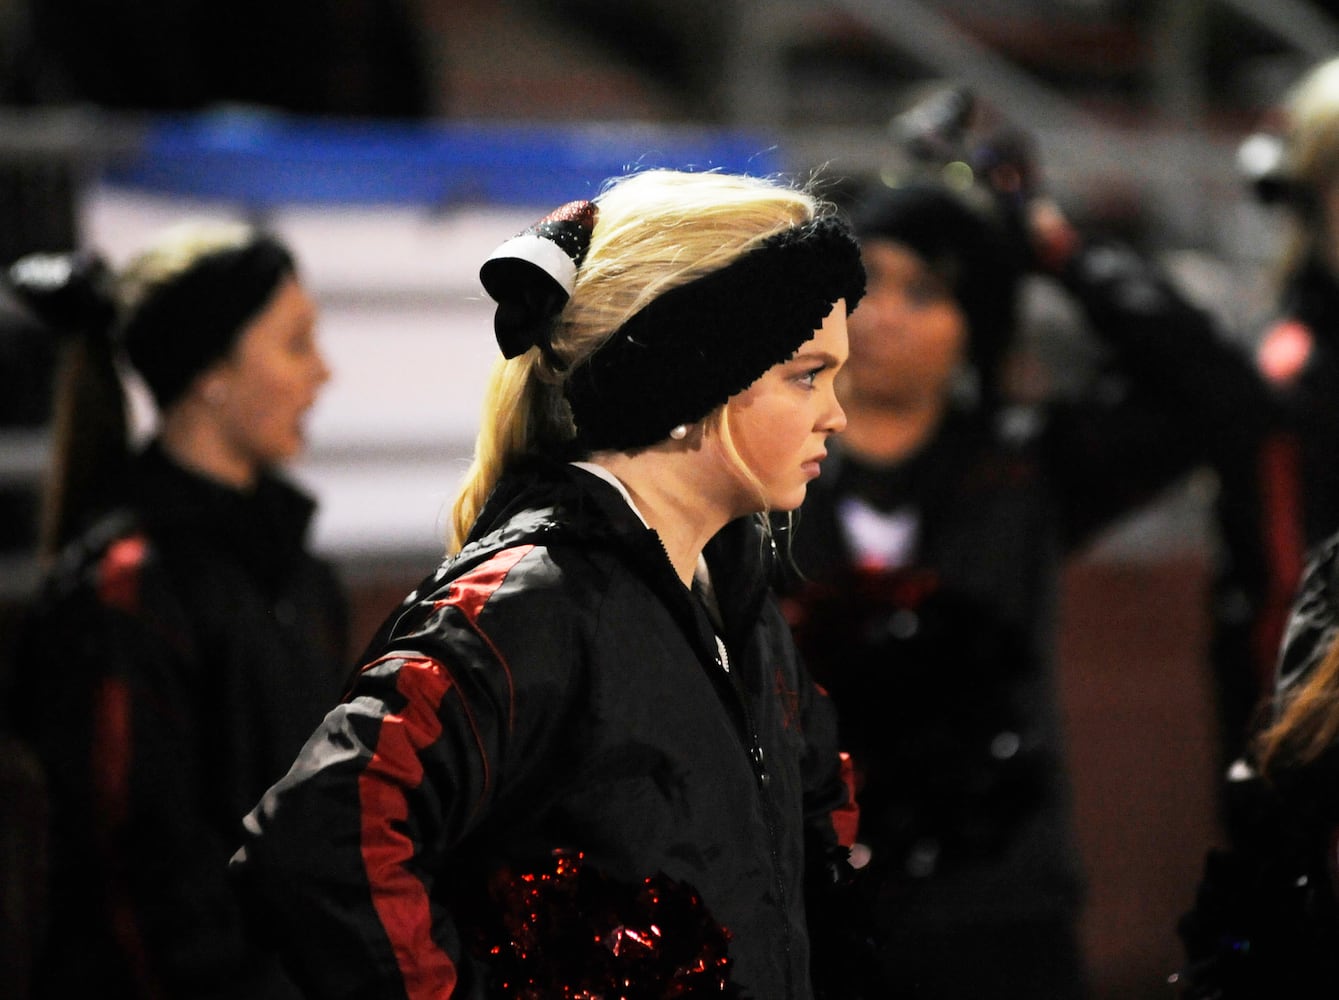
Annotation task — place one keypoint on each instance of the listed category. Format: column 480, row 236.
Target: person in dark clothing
column 185, row 641
column 1282, row 500
column 928, row 557
column 1265, row 914
column 598, row 679
column 1264, row 918
column 44, row 298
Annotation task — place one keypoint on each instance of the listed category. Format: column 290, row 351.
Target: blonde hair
column 656, row 230
column 1308, row 720
column 1312, row 160
column 173, row 251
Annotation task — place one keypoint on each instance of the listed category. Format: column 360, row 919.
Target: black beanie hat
column 967, row 248
column 195, row 318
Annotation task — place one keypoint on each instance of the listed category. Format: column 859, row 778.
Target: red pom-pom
column 573, row 933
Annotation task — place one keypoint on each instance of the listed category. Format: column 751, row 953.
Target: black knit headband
column 687, row 351
column 194, row 319
column 694, row 347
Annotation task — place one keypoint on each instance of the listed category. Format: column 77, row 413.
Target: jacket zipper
column 758, row 765
column 758, row 762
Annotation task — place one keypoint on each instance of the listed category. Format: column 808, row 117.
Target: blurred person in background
column 1264, row 920
column 928, row 556
column 1281, row 502
column 186, row 641
column 44, row 299
column 583, row 758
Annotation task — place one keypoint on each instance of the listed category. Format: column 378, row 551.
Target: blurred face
column 908, row 337
column 262, row 390
column 780, row 424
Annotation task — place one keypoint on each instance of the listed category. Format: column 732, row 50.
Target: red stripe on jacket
column 400, row 897
column 109, row 768
column 846, row 819
column 1285, row 548
column 470, row 594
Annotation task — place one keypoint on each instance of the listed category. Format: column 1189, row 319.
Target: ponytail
column 90, row 441
column 523, row 413
column 72, row 296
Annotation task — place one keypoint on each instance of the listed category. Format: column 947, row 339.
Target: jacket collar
column 541, row 500
column 264, row 527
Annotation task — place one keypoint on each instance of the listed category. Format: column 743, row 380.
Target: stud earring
column 680, row 432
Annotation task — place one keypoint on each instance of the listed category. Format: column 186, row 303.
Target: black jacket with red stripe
column 172, row 667
column 554, row 686
column 928, row 610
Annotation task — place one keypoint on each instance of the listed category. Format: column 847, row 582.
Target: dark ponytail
column 73, row 296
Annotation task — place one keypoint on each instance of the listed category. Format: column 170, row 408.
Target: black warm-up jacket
column 554, row 686
column 171, row 668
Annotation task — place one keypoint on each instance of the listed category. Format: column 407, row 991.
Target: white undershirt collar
column 613, row 480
